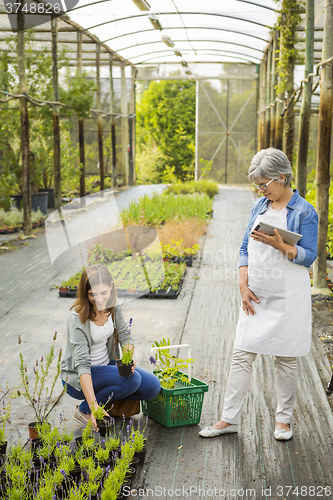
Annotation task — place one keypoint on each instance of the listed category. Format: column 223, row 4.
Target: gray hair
column 270, row 164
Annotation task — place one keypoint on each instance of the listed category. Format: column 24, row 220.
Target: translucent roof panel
column 210, row 31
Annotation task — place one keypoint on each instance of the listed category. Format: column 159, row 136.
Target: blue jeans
column 107, row 384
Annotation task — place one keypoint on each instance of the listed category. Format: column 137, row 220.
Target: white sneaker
column 283, row 435
column 209, row 432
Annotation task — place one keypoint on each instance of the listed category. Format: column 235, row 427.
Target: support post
column 196, row 167
column 124, row 124
column 56, row 117
column 257, row 110
column 305, row 116
column 228, row 133
column 25, row 150
column 81, row 124
column 131, row 123
column 324, row 150
column 268, row 96
column 288, row 131
column 99, row 119
column 113, row 127
column 273, row 85
column 264, row 100
column 261, row 107
column 279, row 106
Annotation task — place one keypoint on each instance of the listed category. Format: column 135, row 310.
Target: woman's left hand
column 133, row 367
column 274, row 241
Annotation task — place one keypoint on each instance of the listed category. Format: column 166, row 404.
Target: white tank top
column 100, row 335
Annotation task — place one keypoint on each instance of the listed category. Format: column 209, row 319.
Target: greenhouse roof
column 169, row 37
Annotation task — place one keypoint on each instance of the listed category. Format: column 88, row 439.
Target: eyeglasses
column 263, row 187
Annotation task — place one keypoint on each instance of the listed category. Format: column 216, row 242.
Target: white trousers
column 239, row 381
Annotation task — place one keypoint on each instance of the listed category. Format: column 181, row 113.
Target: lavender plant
column 38, row 396
column 127, row 354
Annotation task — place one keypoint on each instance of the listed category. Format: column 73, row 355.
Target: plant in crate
column 180, row 401
column 169, row 366
column 39, row 395
column 126, row 362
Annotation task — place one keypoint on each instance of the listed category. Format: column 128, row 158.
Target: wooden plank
column 252, row 459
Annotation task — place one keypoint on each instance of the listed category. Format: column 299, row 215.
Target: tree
column 166, row 126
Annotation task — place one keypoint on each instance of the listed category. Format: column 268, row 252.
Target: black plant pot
column 3, row 448
column 124, row 370
column 130, row 473
column 76, row 473
column 134, row 462
column 61, row 491
column 35, row 444
column 141, row 455
column 103, row 425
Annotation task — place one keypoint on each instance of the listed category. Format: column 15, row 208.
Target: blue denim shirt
column 301, row 218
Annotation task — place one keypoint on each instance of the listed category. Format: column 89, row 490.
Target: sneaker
column 81, row 418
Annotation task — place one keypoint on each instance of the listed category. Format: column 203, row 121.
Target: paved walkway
column 250, row 464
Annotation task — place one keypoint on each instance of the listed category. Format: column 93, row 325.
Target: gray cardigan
column 77, row 357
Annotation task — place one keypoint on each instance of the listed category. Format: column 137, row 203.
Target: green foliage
column 80, row 95
column 311, row 198
column 172, row 277
column 175, row 249
column 166, row 127
column 149, row 164
column 210, row 188
column 39, row 85
column 14, row 218
column 289, row 21
column 160, row 208
column 169, row 366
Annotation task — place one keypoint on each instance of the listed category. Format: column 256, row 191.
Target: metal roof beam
column 181, row 13
column 204, row 54
column 258, row 5
column 188, row 28
column 47, row 40
column 200, row 50
column 186, row 41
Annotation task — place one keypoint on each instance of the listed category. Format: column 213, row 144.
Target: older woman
column 275, row 315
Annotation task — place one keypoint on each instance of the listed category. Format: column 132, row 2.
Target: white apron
column 282, row 325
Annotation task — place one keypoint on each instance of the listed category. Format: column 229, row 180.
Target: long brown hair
column 92, row 276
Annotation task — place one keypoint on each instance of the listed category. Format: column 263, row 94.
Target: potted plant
column 139, row 442
column 103, row 421
column 39, row 396
column 4, row 417
column 126, row 362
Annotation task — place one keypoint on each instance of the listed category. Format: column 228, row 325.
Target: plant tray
column 69, row 293
column 9, row 231
column 179, row 406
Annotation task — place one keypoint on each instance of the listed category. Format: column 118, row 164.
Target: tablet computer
column 287, row 236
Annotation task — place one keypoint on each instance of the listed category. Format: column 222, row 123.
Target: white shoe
column 81, row 418
column 209, row 432
column 283, row 435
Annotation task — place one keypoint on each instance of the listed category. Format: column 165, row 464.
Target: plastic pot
column 50, row 198
column 141, row 455
column 124, row 370
column 3, row 448
column 103, row 425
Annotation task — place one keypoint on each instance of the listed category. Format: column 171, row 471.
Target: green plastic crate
column 179, row 406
